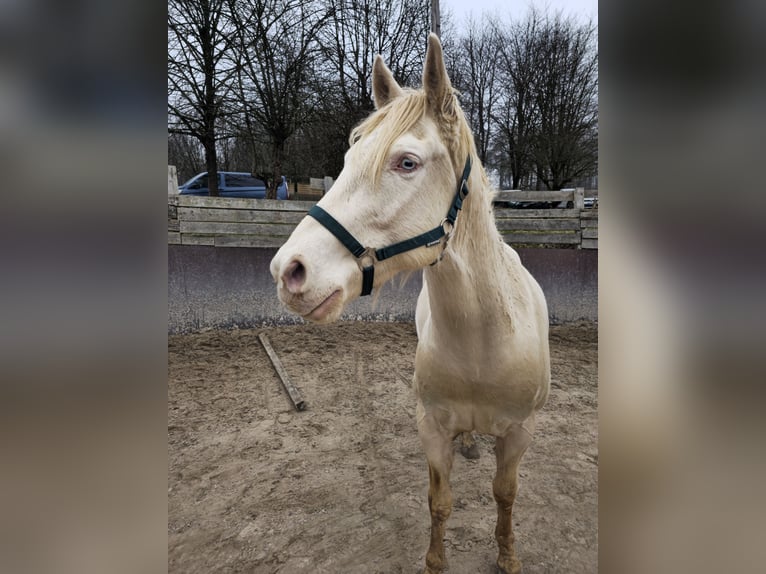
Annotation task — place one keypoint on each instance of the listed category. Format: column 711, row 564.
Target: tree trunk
column 209, row 111
column 515, row 180
column 211, row 162
column 277, row 151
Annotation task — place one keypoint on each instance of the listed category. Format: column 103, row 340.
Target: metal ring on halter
column 447, row 227
column 368, row 258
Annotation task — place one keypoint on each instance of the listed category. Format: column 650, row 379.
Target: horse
column 482, row 362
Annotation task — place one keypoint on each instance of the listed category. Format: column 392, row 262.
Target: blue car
column 232, row 184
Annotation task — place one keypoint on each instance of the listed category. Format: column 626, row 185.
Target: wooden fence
column 228, row 222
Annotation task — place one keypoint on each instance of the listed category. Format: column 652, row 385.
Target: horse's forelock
column 389, row 123
column 400, row 116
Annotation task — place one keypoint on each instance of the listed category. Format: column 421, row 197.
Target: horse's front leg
column 437, row 443
column 508, row 451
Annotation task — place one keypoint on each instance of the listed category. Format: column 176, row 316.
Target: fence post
column 328, row 181
column 579, row 205
column 172, row 179
column 579, row 198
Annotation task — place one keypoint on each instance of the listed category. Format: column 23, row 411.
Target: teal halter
column 428, row 239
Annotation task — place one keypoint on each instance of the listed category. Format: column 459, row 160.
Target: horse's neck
column 467, row 285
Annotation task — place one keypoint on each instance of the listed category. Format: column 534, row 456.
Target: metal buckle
column 447, row 226
column 368, row 258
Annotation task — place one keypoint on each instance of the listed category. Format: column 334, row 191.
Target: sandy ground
column 255, row 486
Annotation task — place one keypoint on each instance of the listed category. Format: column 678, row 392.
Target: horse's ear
column 384, row 86
column 436, row 83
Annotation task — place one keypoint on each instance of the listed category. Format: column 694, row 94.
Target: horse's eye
column 408, row 164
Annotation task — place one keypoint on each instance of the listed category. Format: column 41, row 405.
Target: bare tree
column 275, row 50
column 277, row 84
column 396, row 29
column 186, row 153
column 516, row 114
column 478, row 82
column 198, row 74
column 565, row 91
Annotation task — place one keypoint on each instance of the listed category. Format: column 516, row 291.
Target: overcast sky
column 462, row 9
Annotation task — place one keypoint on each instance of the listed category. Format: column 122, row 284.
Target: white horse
column 482, row 362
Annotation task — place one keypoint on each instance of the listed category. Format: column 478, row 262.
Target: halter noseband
column 367, row 256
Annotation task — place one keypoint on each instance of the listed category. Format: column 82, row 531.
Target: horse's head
column 398, row 182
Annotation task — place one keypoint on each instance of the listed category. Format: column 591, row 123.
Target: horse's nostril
column 294, row 276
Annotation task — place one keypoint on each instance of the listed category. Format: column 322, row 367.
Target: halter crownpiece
column 366, row 256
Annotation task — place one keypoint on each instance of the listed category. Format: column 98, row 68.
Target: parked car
column 231, row 184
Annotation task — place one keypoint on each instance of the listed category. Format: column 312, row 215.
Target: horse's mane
column 402, row 114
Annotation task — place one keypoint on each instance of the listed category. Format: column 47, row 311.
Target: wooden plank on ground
column 239, row 215
column 516, row 224
column 174, row 237
column 531, row 195
column 173, row 225
column 292, row 390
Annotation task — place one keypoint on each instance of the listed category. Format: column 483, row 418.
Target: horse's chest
column 479, row 381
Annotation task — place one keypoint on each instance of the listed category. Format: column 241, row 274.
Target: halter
column 367, row 256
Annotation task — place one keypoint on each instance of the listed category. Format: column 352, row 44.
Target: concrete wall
column 211, row 287
column 569, row 278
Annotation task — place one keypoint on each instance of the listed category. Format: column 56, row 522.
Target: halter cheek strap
column 350, row 243
column 366, row 256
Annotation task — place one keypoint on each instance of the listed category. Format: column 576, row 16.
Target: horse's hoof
column 512, row 566
column 435, row 569
column 515, row 568
column 470, row 452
